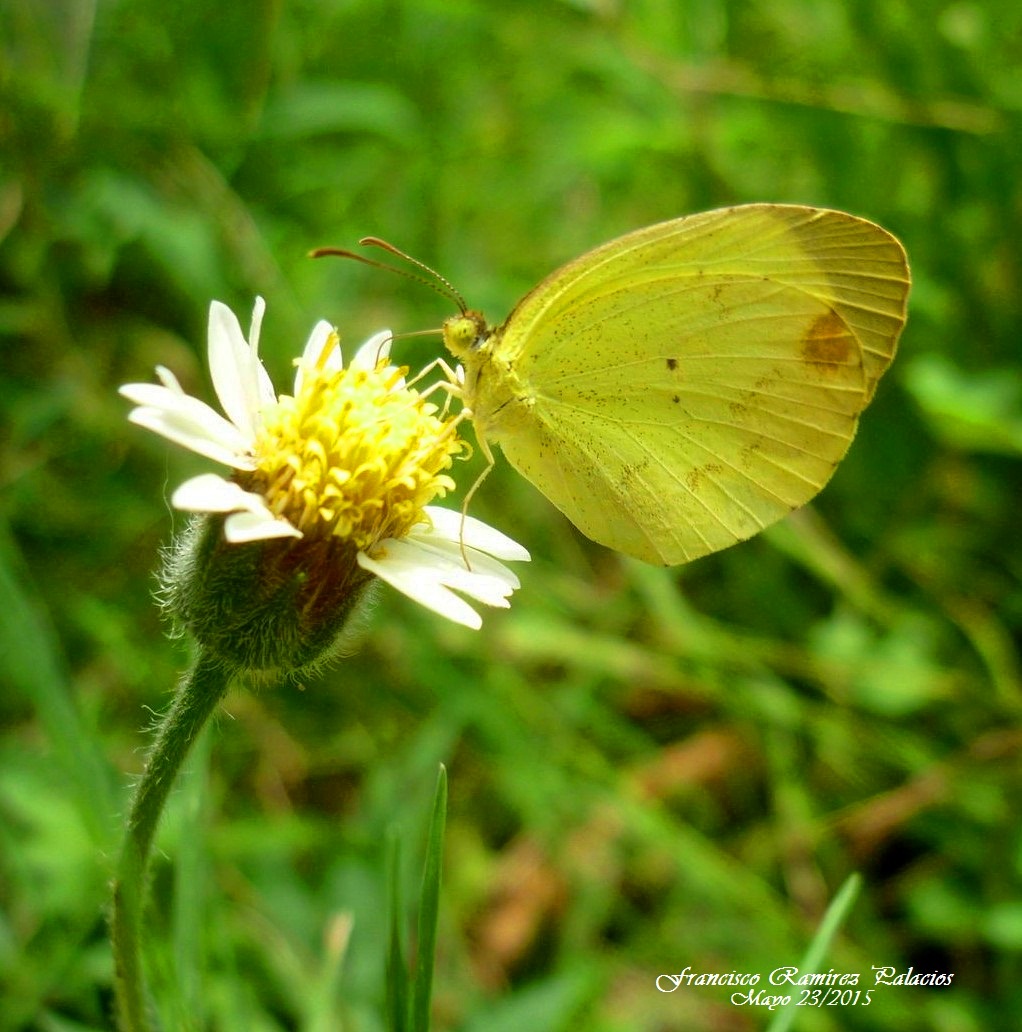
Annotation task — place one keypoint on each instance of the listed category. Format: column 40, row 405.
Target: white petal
column 189, row 422
column 447, row 525
column 250, row 519
column 313, row 352
column 314, row 346
column 491, row 591
column 256, row 325
column 446, row 558
column 169, row 380
column 410, row 580
column 264, row 385
column 209, row 492
column 428, row 570
column 377, row 347
column 240, row 527
column 153, row 395
column 240, row 381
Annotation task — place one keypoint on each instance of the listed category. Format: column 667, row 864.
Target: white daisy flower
column 352, row 459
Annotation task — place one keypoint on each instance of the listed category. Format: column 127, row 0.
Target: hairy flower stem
column 200, row 691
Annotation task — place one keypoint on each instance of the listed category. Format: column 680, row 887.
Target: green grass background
column 648, row 768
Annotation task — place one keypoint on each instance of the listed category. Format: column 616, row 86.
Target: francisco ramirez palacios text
column 812, row 988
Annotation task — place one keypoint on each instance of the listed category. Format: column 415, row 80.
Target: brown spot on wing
column 672, row 364
column 828, row 342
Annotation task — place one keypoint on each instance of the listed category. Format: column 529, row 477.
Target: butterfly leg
column 484, row 447
column 452, row 382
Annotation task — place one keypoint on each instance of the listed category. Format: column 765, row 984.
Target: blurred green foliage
column 649, row 768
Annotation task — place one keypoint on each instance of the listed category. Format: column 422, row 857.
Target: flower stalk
column 201, row 690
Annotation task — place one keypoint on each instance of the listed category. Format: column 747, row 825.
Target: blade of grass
column 818, row 948
column 429, row 905
column 397, row 970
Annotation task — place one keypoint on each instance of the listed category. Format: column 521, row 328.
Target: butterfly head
column 465, row 333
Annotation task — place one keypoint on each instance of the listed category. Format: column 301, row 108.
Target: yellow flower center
column 355, row 455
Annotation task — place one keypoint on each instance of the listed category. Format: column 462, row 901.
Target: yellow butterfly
column 682, row 387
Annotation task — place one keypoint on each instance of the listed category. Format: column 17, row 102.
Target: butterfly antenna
column 441, row 284
column 340, row 252
column 436, row 282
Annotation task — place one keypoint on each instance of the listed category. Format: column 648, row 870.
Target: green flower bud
column 274, row 608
